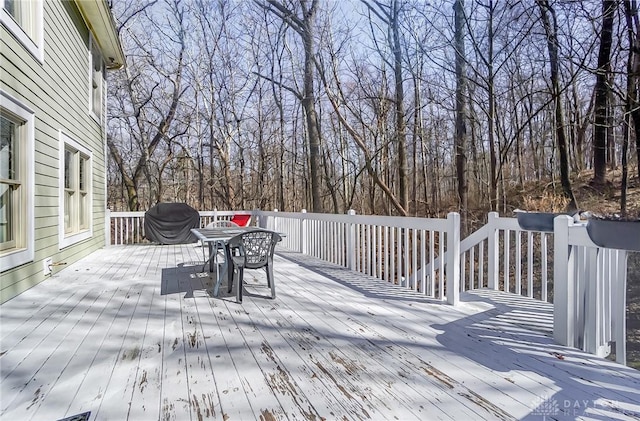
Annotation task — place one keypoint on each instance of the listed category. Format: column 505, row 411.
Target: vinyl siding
column 58, row 92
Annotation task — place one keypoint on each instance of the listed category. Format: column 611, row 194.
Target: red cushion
column 241, row 219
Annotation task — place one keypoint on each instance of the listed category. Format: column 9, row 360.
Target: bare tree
column 390, row 15
column 218, row 105
column 631, row 98
column 551, row 29
column 461, row 116
column 633, row 72
column 602, row 94
column 150, row 94
column 304, row 26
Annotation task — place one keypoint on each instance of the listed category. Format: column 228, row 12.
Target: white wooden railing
column 586, row 284
column 502, row 256
column 128, row 227
column 386, row 247
column 590, row 292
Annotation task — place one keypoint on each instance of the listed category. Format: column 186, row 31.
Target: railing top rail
column 429, row 224
column 116, row 214
column 126, row 214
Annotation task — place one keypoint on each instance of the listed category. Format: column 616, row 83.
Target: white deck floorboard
column 132, row 333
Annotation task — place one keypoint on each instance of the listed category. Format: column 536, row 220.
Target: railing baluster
column 369, row 267
column 481, row 268
column 463, row 277
column 432, row 259
column 472, row 267
column 441, row 241
column 423, row 262
column 518, row 256
column 506, row 253
column 543, row 252
column 392, row 255
column 400, row 256
column 530, row 264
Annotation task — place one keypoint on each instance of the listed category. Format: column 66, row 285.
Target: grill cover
column 170, row 223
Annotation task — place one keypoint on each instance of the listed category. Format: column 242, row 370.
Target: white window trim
column 65, row 240
column 17, row 257
column 103, row 88
column 34, row 46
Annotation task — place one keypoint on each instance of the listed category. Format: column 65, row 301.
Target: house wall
column 57, row 90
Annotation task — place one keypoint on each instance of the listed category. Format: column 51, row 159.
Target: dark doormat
column 80, row 417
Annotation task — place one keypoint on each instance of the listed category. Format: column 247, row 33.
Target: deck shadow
column 187, row 278
column 190, row 277
column 515, row 334
column 366, row 285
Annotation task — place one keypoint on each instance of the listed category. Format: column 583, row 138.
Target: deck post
column 453, row 258
column 492, row 252
column 275, row 221
column 107, row 227
column 303, row 232
column 619, row 307
column 564, row 306
column 351, row 242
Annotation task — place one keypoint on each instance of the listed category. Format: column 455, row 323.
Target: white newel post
column 275, row 221
column 619, row 308
column 593, row 318
column 453, row 258
column 107, row 228
column 492, row 252
column 351, row 242
column 303, row 232
column 215, row 215
column 564, row 306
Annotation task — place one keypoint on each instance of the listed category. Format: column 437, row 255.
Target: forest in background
column 389, row 107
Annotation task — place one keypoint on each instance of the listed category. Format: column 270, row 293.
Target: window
column 24, row 19
column 10, row 183
column 75, row 192
column 16, row 182
column 97, row 76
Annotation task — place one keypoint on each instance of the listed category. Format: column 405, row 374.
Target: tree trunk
column 602, row 94
column 551, row 30
column 305, row 27
column 401, row 125
column 491, row 118
column 631, row 100
column 631, row 11
column 460, row 141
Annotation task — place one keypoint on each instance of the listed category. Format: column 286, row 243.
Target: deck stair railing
column 585, row 283
column 590, row 292
column 502, row 256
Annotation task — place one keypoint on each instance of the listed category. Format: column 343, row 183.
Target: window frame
column 24, row 250
column 94, row 51
column 13, row 182
column 33, row 44
column 78, row 232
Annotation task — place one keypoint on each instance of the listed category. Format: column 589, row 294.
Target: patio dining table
column 217, row 238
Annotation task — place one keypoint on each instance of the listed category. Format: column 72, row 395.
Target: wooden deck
column 131, row 333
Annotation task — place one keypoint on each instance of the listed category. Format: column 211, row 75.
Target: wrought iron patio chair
column 252, row 250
